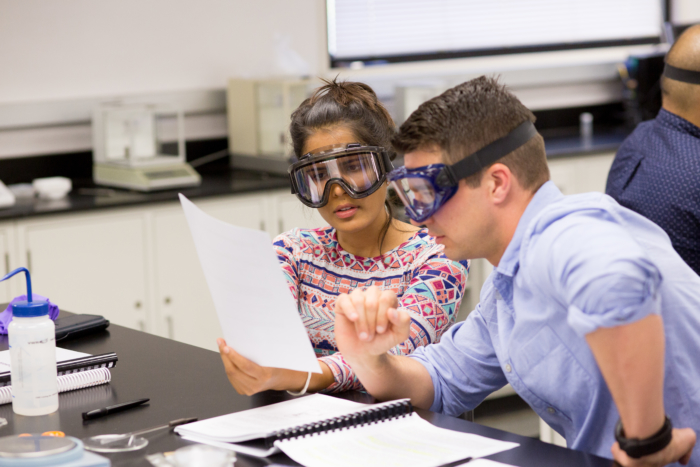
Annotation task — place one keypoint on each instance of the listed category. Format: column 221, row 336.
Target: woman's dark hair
column 351, row 105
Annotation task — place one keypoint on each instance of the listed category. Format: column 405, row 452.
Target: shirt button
column 551, row 409
column 508, row 368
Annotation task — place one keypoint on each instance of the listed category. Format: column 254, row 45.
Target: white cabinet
column 185, row 309
column 90, row 263
column 5, row 262
column 581, row 174
column 137, row 266
column 290, row 213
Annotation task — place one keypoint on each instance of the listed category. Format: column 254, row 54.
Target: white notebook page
column 261, row 421
column 393, row 443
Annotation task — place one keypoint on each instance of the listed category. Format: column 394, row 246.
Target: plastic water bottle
column 32, row 337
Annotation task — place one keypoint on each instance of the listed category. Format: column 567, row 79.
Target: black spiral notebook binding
column 398, row 409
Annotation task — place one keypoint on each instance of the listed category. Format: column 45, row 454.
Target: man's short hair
column 466, row 118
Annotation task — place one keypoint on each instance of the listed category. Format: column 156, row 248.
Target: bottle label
column 33, row 369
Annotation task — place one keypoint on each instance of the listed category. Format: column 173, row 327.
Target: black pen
column 456, row 463
column 112, row 408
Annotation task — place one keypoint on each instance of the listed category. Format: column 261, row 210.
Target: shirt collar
column 672, row 121
column 545, row 195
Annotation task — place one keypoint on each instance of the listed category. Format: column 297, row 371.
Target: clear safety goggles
column 424, row 190
column 359, row 170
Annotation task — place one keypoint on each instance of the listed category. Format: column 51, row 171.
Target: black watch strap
column 636, row 448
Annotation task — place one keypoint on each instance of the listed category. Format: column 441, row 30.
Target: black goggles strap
column 680, row 74
column 484, row 157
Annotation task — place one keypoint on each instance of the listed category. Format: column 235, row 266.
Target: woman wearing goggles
column 359, row 170
column 341, row 136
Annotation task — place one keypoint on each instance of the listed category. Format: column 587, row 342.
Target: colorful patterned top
column 429, row 286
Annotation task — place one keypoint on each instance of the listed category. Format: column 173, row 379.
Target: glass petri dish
column 114, row 443
column 34, row 446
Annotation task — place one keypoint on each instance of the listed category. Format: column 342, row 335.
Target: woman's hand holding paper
column 250, row 378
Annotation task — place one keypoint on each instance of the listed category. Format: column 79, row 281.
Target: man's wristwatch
column 636, row 448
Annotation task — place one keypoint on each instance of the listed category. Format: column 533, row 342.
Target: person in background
column 589, row 313
column 657, row 168
column 342, row 139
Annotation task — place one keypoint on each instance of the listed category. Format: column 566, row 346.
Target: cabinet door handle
column 142, row 325
column 171, row 331
column 29, row 260
column 262, row 225
column 280, row 226
column 137, row 304
column 7, row 263
column 167, row 300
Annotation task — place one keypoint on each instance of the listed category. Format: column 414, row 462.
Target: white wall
column 67, row 49
column 60, row 58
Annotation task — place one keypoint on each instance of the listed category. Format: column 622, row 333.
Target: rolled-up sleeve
column 604, row 277
column 463, row 367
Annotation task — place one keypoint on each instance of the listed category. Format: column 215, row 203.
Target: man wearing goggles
column 359, row 170
column 424, row 190
column 589, row 314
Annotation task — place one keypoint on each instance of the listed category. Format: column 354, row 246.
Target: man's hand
column 679, row 450
column 250, row 378
column 368, row 323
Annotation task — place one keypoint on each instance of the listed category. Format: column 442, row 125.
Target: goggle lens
column 360, row 172
column 417, row 194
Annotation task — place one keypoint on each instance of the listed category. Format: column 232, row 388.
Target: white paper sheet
column 257, row 313
column 61, row 356
column 261, row 421
column 395, row 443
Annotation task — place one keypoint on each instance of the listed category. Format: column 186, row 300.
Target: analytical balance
column 141, row 147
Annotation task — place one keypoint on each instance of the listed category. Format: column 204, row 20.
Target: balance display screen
column 384, row 31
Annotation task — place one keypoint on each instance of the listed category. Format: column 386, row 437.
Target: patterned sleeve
column 284, row 247
column 432, row 299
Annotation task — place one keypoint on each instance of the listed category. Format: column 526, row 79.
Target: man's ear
column 500, row 181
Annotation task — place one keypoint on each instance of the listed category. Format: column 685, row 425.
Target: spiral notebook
column 68, row 382
column 320, row 430
column 67, row 362
column 76, row 370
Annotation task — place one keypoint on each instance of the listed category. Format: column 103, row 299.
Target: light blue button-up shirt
column 575, row 263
